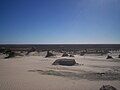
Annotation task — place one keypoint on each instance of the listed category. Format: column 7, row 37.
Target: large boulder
column 65, row 55
column 49, row 54
column 107, row 87
column 66, row 62
column 109, row 57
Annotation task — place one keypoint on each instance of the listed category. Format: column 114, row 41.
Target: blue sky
column 59, row 21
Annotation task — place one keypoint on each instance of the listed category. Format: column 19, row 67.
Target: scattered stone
column 2, row 50
column 66, row 62
column 107, row 87
column 109, row 57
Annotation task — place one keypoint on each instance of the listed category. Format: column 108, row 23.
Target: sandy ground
column 24, row 73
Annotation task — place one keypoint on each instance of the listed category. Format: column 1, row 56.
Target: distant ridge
column 61, row 46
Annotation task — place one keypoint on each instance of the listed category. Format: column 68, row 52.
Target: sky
column 59, row 21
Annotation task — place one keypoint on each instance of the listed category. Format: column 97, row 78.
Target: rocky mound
column 109, row 57
column 66, row 62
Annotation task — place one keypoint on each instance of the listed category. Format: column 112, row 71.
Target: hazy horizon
column 59, row 22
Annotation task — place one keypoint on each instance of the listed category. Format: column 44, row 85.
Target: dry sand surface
column 38, row 73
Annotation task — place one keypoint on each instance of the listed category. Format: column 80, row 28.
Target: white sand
column 14, row 74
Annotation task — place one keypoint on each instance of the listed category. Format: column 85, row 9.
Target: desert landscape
column 59, row 44
column 42, row 69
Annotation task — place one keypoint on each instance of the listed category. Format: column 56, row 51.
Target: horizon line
column 61, row 44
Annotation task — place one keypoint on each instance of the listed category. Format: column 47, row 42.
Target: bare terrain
column 35, row 72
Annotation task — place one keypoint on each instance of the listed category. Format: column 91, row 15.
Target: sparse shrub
column 9, row 54
column 2, row 50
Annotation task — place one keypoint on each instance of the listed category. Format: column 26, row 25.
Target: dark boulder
column 65, row 55
column 49, row 54
column 109, row 57
column 66, row 62
column 107, row 87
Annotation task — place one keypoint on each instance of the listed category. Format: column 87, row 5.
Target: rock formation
column 66, row 62
column 109, row 57
column 49, row 54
